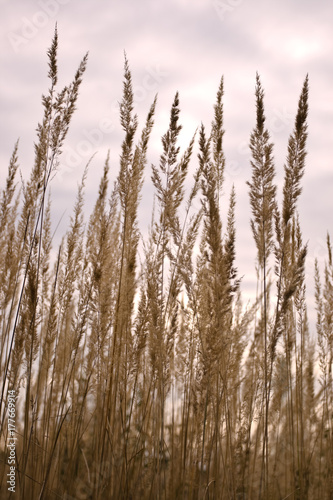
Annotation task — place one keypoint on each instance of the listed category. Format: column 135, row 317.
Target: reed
column 140, row 372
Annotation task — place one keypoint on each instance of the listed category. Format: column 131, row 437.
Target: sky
column 184, row 46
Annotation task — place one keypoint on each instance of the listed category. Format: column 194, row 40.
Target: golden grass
column 188, row 395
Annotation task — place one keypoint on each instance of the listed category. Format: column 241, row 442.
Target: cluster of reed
column 153, row 381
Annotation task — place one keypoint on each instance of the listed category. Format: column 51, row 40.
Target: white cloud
column 302, row 48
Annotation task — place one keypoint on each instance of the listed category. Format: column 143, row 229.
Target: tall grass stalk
column 141, row 374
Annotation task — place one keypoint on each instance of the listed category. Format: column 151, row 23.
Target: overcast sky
column 185, row 46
